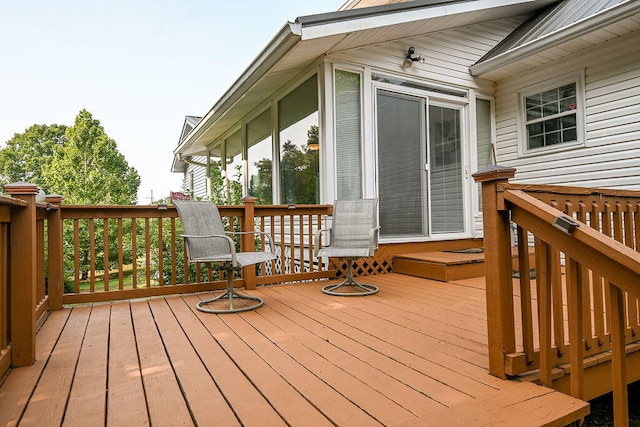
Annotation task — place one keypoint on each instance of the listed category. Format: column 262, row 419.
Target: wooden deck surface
column 413, row 354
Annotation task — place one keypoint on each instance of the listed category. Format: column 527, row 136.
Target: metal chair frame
column 207, row 241
column 353, row 234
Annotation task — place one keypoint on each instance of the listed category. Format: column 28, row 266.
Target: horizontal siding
column 449, row 54
column 611, row 155
column 199, row 177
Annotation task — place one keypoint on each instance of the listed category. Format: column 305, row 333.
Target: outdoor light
column 565, row 224
column 410, row 59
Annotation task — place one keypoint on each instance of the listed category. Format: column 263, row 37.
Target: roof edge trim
column 556, row 38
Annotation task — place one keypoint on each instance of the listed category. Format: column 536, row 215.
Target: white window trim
column 523, row 143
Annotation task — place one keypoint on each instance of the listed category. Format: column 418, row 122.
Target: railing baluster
column 92, row 256
column 174, row 272
column 576, row 327
column 76, row 255
column 160, row 254
column 105, row 245
column 618, row 356
column 525, row 292
column 134, row 253
column 543, row 282
column 147, row 251
column 557, row 301
column 120, row 257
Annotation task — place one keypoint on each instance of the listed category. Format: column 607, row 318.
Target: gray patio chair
column 353, row 234
column 207, row 241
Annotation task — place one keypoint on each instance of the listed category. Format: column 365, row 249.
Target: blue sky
column 139, row 66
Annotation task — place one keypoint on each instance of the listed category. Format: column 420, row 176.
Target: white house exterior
column 411, row 136
column 192, row 168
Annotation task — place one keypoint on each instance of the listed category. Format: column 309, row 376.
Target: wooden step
column 443, row 265
column 449, row 265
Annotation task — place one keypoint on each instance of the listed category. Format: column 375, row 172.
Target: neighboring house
column 404, row 101
column 192, row 168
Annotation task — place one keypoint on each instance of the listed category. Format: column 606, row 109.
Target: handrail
column 605, row 256
column 578, row 300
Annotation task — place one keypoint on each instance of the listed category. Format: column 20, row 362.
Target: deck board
column 412, row 354
column 90, row 382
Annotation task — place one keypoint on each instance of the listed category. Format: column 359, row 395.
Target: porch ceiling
column 301, row 43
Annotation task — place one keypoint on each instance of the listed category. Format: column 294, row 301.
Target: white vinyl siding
column 610, row 156
column 448, row 54
column 196, row 175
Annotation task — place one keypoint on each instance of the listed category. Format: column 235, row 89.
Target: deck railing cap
column 21, row 188
column 54, row 198
column 493, row 173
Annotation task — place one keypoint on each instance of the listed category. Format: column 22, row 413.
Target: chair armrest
column 373, row 240
column 316, row 240
column 254, row 232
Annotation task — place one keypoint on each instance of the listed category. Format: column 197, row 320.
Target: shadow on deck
column 413, row 354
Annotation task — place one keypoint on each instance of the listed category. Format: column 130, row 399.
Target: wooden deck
column 413, row 354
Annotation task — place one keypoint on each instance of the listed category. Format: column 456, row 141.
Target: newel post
column 56, row 258
column 247, row 240
column 497, row 258
column 24, row 274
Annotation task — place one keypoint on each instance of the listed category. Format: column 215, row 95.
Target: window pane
column 298, row 126
column 400, row 164
column 445, row 170
column 348, row 136
column 260, row 160
column 483, row 132
column 551, row 117
column 234, row 168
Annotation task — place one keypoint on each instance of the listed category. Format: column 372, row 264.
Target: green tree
column 27, row 153
column 89, row 169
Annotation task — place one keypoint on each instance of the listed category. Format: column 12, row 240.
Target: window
column 260, row 158
column 299, row 157
column 348, row 135
column 551, row 116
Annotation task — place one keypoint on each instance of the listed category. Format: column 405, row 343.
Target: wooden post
column 248, row 241
column 56, row 252
column 23, row 276
column 497, row 259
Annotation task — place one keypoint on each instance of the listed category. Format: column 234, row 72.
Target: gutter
column 556, row 38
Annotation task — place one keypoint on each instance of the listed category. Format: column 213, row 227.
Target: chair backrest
column 201, row 218
column 352, row 221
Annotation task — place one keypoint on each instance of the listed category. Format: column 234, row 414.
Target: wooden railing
column 144, row 255
column 575, row 322
column 23, row 296
column 52, row 254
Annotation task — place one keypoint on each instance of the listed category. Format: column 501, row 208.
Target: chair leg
column 230, row 295
column 360, row 288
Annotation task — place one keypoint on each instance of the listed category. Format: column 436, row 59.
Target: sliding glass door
column 420, row 166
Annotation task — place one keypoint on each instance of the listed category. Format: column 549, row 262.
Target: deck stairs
column 446, row 266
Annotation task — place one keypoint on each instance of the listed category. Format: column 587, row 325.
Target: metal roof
column 299, row 44
column 561, row 27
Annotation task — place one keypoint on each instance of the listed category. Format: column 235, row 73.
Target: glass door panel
column 401, row 176
column 446, row 182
